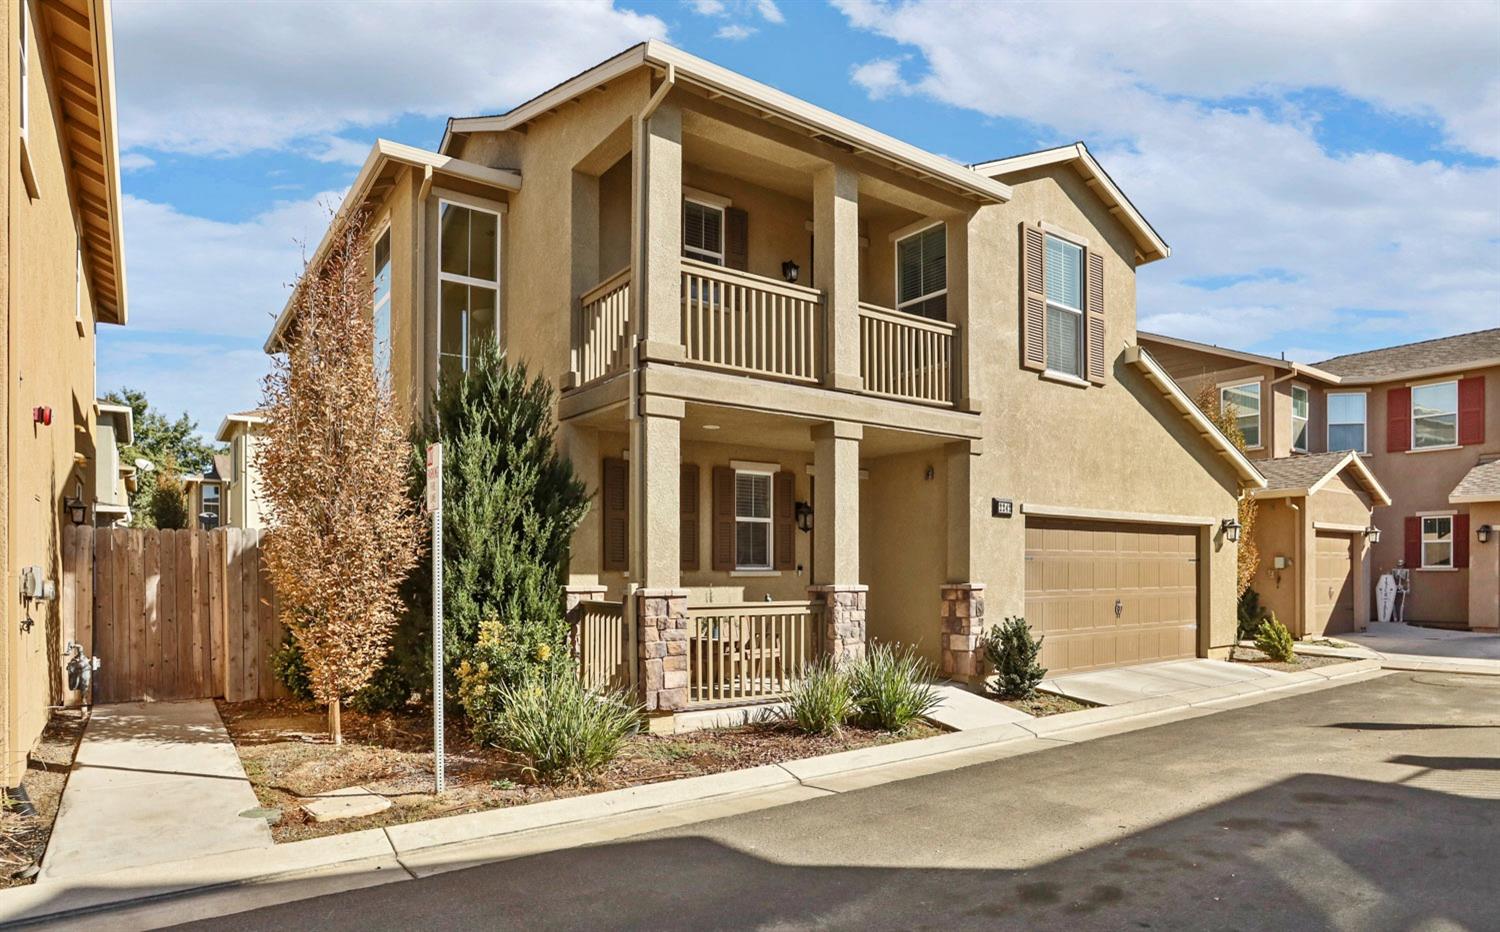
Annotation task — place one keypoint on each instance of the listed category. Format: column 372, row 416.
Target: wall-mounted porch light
column 77, row 511
column 1372, row 534
column 1483, row 533
column 803, row 512
column 790, row 270
column 1231, row 529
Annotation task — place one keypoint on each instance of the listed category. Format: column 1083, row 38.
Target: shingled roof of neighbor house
column 1480, row 484
column 1447, row 352
column 1305, row 473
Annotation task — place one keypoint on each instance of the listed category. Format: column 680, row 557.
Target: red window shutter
column 1471, row 410
column 1033, row 299
column 615, row 534
column 1093, row 302
column 784, row 520
column 723, row 517
column 688, row 509
column 1413, row 542
column 1461, row 541
column 1398, row 420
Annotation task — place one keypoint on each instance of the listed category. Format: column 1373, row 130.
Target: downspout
column 1299, row 570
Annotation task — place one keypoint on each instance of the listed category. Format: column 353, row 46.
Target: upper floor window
column 752, row 520
column 1300, row 409
column 922, row 273
column 1064, row 273
column 1244, row 400
column 381, row 279
column 1346, row 421
column 1434, row 415
column 211, row 515
column 1437, row 541
column 468, row 283
column 703, row 231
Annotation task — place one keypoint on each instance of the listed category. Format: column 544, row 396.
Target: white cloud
column 707, row 7
column 735, row 32
column 264, row 76
column 1236, row 190
column 340, row 150
column 769, row 11
column 135, row 161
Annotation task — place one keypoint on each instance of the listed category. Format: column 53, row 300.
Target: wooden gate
column 171, row 614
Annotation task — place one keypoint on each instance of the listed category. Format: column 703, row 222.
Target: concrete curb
column 154, row 894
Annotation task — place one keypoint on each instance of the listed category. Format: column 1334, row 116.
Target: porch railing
column 907, row 357
column 746, row 323
column 599, row 349
column 602, row 640
column 751, row 651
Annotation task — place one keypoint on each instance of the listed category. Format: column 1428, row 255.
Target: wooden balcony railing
column 751, row 651
column 599, row 347
column 907, row 357
column 602, row 642
column 746, row 323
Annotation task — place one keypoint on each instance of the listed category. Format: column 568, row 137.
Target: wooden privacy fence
column 171, row 614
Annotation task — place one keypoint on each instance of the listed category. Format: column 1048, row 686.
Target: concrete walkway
column 153, row 782
column 1391, row 638
column 1149, row 680
column 963, row 710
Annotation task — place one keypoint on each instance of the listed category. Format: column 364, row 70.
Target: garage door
column 1333, row 605
column 1106, row 594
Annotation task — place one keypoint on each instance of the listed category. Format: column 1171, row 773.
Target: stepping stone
column 347, row 803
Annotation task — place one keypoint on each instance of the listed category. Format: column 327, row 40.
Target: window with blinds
column 1064, row 286
column 752, row 520
column 922, row 273
column 703, row 232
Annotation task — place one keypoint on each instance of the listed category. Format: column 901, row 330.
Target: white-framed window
column 703, row 231
column 1434, row 415
column 752, row 520
column 380, row 279
column 1437, row 541
column 468, row 283
column 212, row 503
column 1301, row 406
column 24, row 49
column 1346, row 421
column 922, row 272
column 1244, row 399
column 1064, row 265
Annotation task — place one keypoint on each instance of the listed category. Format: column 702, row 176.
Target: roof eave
column 1250, row 477
column 1428, row 372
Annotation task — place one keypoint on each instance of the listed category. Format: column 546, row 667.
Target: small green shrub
column 564, row 729
column 892, row 688
column 821, row 702
column 1013, row 652
column 387, row 689
column 1251, row 615
column 288, row 666
column 1274, row 640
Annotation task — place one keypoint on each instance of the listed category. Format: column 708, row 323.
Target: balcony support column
column 836, row 539
column 656, row 473
column 962, row 610
column 836, row 272
column 656, row 292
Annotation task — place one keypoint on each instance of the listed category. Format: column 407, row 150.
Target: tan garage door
column 1333, row 602
column 1106, row 594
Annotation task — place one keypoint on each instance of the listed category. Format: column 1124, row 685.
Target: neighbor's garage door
column 1105, row 594
column 1333, row 605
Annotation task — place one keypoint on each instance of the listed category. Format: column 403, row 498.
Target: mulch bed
column 284, row 747
column 24, row 835
column 1043, row 704
column 1243, row 654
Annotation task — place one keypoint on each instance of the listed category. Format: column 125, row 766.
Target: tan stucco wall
column 1288, row 527
column 1484, row 568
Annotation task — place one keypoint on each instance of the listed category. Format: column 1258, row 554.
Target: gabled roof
column 248, row 418
column 1286, row 365
column 763, row 99
column 1480, row 484
column 1152, row 246
column 1306, row 473
column 1139, row 357
column 1428, row 357
column 120, row 414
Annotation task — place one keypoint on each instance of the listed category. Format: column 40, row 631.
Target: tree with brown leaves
column 1226, row 419
column 344, row 531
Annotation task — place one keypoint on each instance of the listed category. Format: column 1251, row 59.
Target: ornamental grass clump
column 1274, row 640
column 565, row 730
column 822, row 702
column 892, row 688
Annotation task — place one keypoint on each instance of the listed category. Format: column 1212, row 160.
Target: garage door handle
column 1119, row 607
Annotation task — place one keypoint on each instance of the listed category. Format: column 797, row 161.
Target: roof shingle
column 1394, row 360
column 1482, row 483
column 1299, row 472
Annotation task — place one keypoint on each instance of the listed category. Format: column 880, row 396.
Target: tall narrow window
column 1300, row 408
column 1437, row 541
column 922, row 273
column 752, row 520
column 703, row 232
column 1064, row 267
column 468, row 284
column 1244, row 400
column 1346, row 421
column 1434, row 415
column 381, row 281
column 212, row 514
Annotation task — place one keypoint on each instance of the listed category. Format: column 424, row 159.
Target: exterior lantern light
column 78, row 512
column 1231, row 529
column 803, row 512
column 1483, row 533
column 1372, row 534
column 790, row 270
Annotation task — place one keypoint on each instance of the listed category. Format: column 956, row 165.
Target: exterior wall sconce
column 790, row 270
column 1372, row 534
column 803, row 512
column 77, row 511
column 1231, row 529
column 1483, row 533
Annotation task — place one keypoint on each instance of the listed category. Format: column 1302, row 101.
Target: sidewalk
column 1408, row 647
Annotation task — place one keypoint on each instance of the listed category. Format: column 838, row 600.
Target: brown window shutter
column 1033, row 299
column 1093, row 304
column 723, row 537
column 1413, row 542
column 784, row 520
column 616, row 533
column 1471, row 410
column 1398, row 420
column 736, row 239
column 688, row 508
column 1461, row 541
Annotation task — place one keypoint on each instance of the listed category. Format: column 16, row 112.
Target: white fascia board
column 1311, row 372
column 225, row 425
column 1250, row 477
column 105, row 407
column 1362, row 473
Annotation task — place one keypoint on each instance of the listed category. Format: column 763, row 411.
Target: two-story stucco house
column 829, row 387
column 63, row 273
column 1424, row 419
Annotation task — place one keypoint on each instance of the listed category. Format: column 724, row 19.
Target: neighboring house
column 63, row 273
column 1425, row 419
column 820, row 379
column 240, row 503
column 205, row 493
column 114, row 479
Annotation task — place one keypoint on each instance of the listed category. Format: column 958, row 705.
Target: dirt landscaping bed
column 1044, row 704
column 24, row 830
column 284, row 748
column 1243, row 654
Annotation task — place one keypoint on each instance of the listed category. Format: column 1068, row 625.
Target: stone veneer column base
column 662, row 648
column 963, row 632
column 843, row 620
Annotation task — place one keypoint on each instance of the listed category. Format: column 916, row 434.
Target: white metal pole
column 435, row 505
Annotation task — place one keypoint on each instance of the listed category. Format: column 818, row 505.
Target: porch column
column 657, row 287
column 661, row 632
column 962, row 597
column 836, row 533
column 836, row 272
column 656, row 474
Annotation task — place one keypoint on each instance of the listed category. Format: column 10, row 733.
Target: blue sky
column 1326, row 173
